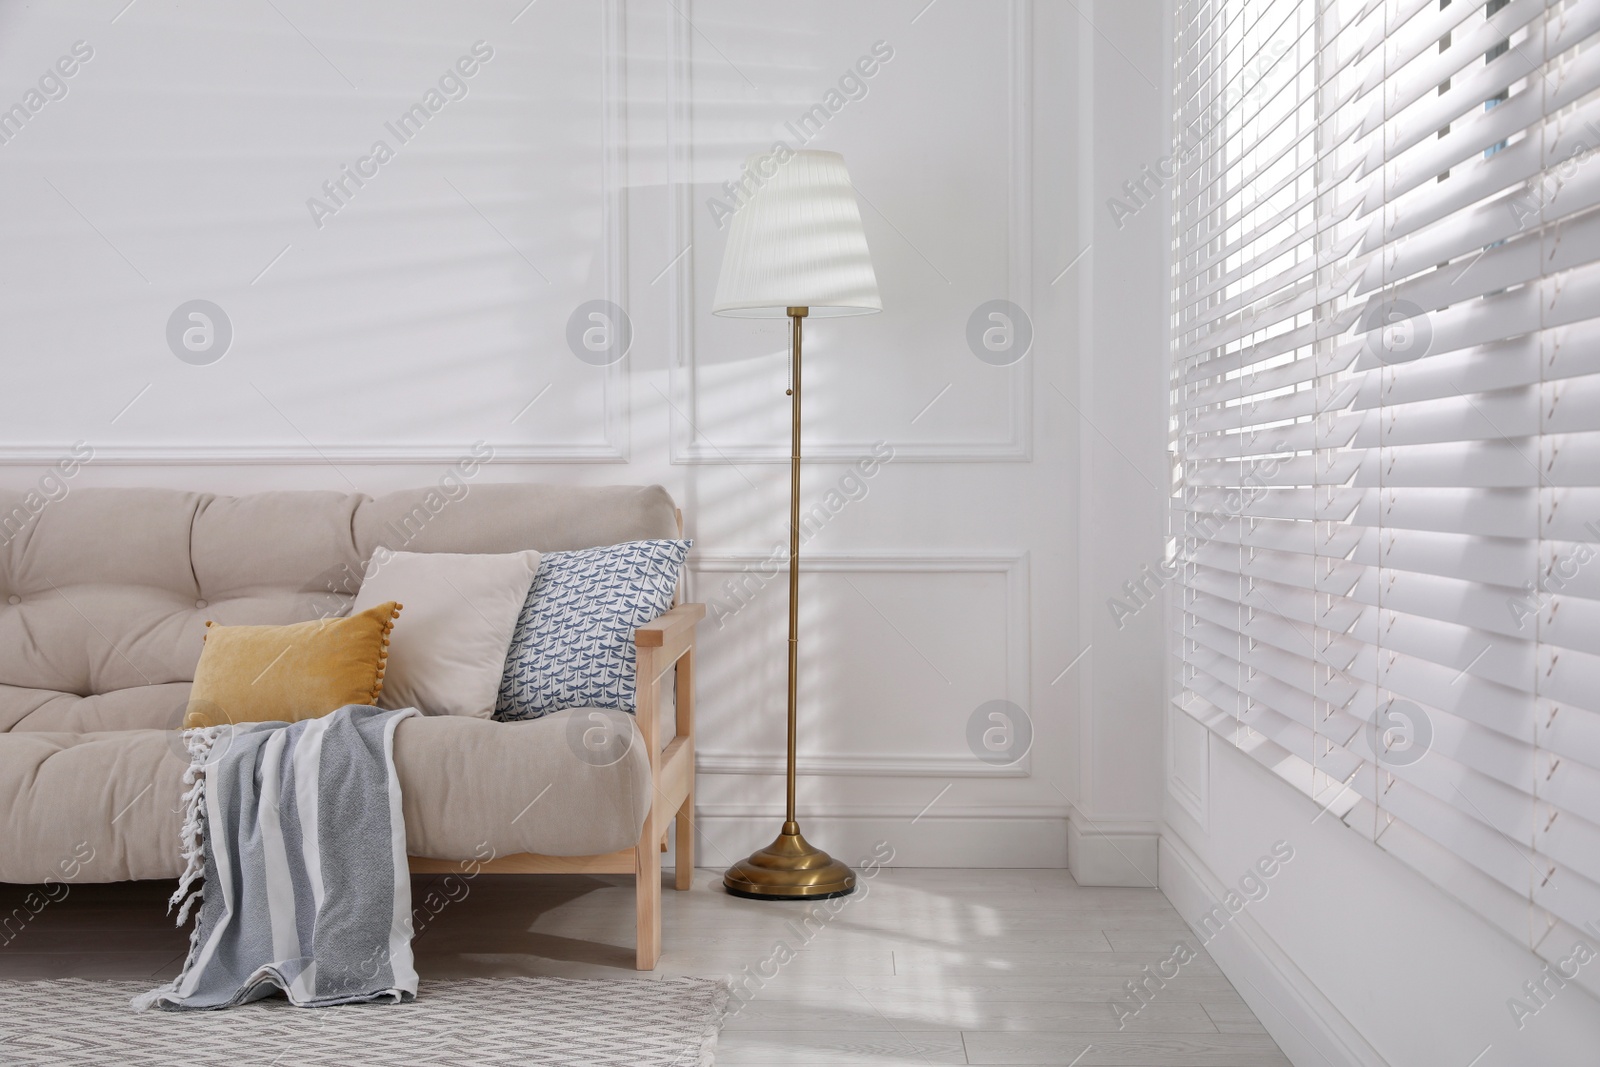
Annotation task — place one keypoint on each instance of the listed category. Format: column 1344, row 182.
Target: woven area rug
column 641, row 1023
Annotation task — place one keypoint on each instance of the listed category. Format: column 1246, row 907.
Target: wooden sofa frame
column 666, row 644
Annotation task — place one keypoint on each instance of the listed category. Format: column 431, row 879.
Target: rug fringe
column 719, row 1012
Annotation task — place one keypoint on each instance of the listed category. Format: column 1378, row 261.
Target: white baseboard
column 961, row 837
column 1103, row 851
column 1304, row 1023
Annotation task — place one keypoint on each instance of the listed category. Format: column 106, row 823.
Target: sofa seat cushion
column 108, row 798
column 471, row 788
column 471, row 784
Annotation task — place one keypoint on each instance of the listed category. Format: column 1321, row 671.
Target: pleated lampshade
column 798, row 242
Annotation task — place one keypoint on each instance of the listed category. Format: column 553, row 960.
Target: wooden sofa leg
column 683, row 872
column 684, row 692
column 648, row 900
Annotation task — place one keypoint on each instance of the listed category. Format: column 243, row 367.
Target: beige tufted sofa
column 104, row 596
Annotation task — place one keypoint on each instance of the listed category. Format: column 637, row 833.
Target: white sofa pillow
column 448, row 649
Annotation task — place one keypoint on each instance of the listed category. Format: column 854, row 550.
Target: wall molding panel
column 614, row 414
column 687, row 446
column 972, row 836
column 857, row 766
column 1018, row 670
column 1188, row 765
column 41, row 455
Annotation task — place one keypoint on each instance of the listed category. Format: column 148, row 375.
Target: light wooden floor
column 929, row 966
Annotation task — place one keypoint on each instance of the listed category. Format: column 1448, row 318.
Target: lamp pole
column 791, row 867
column 797, row 317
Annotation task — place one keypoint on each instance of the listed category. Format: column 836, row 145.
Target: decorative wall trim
column 1108, row 851
column 860, row 812
column 615, row 390
column 35, row 455
column 1190, row 796
column 1304, row 1022
column 686, row 447
column 613, row 229
column 970, row 836
column 1016, row 451
column 1013, row 565
column 879, row 766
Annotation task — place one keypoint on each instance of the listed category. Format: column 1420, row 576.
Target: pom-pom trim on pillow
column 287, row 673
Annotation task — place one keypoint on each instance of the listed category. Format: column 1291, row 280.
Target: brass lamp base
column 790, row 868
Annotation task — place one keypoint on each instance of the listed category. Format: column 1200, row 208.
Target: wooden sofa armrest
column 656, row 632
column 665, row 644
column 664, row 640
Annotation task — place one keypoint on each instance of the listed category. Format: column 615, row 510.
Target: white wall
column 1351, row 957
column 1121, row 425
column 431, row 311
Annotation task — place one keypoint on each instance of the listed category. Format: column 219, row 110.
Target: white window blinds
column 1386, row 420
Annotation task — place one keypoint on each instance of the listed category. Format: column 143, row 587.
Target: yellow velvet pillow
column 288, row 673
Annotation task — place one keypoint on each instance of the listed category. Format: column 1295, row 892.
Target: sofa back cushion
column 105, row 593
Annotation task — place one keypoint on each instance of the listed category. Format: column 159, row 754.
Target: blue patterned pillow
column 573, row 645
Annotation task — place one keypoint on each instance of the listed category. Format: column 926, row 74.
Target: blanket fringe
column 199, row 742
column 191, row 887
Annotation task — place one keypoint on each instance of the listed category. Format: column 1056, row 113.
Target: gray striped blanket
column 298, row 835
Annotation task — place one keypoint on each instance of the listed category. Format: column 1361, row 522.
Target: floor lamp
column 796, row 249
